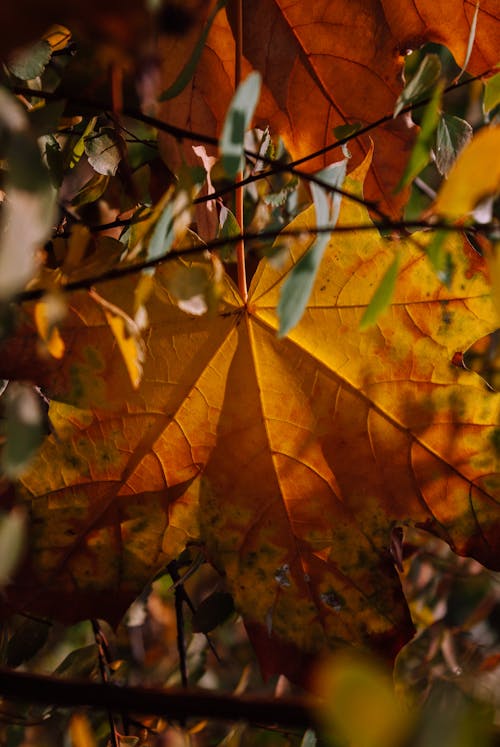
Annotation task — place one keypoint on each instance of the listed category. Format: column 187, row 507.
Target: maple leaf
column 291, row 461
column 323, row 65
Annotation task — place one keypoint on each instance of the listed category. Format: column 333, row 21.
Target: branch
column 124, row 270
column 172, row 703
column 275, row 167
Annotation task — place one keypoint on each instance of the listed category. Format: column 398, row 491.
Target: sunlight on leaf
column 49, row 312
column 127, row 335
column 382, row 297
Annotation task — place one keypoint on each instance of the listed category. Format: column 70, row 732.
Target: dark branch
column 275, row 167
column 124, row 270
column 175, row 704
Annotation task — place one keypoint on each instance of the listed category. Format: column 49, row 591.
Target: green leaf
column 299, row 283
column 237, row 121
column 163, row 233
column 421, row 83
column 213, row 611
column 382, row 297
column 12, row 543
column 228, row 227
column 188, row 70
column 30, row 62
column 91, row 191
column 452, row 135
column 24, row 428
column 79, row 663
column 421, row 153
column 103, row 152
column 491, row 93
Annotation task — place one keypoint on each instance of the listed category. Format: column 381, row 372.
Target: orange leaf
column 290, row 460
column 324, row 65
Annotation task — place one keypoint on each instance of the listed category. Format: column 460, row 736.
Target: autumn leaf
column 323, row 66
column 289, row 460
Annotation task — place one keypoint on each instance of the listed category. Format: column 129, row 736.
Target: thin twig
column 103, row 656
column 124, row 270
column 178, row 586
column 179, row 618
column 275, row 167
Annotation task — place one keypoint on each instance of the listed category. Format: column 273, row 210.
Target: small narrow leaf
column 382, row 297
column 452, row 136
column 188, row 70
column 491, row 93
column 421, row 153
column 237, row 121
column 163, row 233
column 298, row 285
column 470, row 41
column 421, row 83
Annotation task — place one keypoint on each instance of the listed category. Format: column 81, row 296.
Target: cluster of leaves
column 157, row 408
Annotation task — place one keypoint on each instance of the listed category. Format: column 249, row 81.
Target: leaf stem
column 238, row 195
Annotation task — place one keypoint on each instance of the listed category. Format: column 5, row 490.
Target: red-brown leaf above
column 323, row 65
